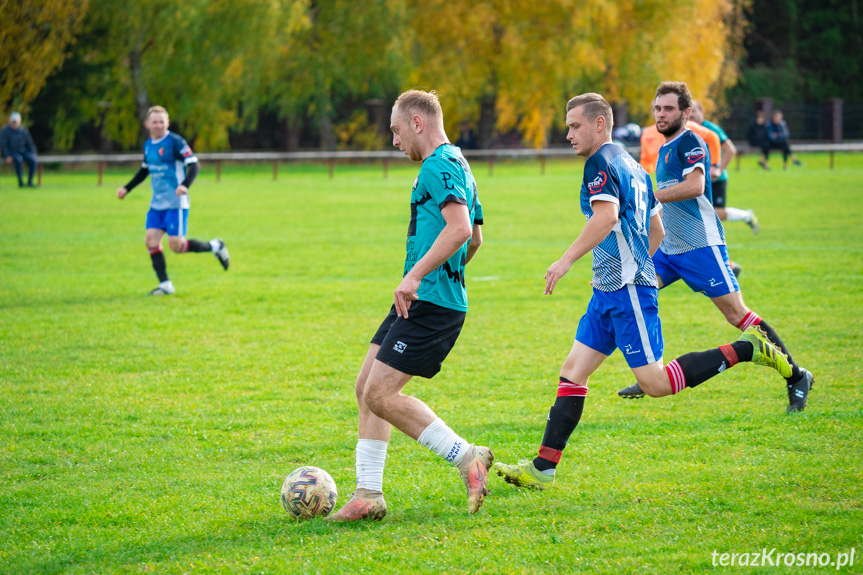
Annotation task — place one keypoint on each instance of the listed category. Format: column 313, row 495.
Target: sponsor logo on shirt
column 694, row 155
column 595, row 186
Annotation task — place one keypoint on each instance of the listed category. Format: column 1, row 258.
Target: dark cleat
column 634, row 391
column 798, row 392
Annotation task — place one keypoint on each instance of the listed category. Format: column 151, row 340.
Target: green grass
column 153, row 434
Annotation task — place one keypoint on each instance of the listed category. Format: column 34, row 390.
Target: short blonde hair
column 420, row 102
column 156, row 110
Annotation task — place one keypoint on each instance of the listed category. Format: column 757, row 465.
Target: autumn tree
column 34, row 41
column 523, row 59
column 345, row 52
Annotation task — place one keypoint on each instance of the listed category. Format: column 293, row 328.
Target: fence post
column 490, row 166
column 39, row 174
column 332, row 167
column 101, row 169
column 218, row 170
column 275, row 170
column 542, row 164
column 386, row 167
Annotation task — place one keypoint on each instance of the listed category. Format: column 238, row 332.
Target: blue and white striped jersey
column 166, row 159
column 689, row 224
column 612, row 175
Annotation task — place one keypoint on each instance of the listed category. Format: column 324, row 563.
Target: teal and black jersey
column 444, row 177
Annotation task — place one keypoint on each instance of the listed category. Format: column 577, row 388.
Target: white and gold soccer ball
column 309, row 492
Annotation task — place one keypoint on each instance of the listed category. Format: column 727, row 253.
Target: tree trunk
column 327, row 134
column 142, row 98
column 487, row 120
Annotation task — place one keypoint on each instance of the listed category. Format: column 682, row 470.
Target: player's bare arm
column 729, row 150
column 657, row 232
column 453, row 236
column 692, row 186
column 475, row 242
column 600, row 224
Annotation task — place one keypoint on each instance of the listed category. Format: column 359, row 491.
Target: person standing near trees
column 172, row 165
column 17, row 146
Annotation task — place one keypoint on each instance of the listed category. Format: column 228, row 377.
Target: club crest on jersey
column 161, row 151
column 595, row 186
column 694, row 155
column 666, row 156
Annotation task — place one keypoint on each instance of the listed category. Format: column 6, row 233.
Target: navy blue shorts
column 706, row 270
column 418, row 344
column 626, row 319
column 174, row 222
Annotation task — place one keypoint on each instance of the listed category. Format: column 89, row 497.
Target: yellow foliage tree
column 34, row 37
column 527, row 58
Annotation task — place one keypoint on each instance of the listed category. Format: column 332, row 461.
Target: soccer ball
column 308, row 492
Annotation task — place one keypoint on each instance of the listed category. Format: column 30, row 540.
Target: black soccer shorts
column 418, row 344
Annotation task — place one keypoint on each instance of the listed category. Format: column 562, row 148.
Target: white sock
column 167, row 286
column 737, row 215
column 444, row 441
column 214, row 246
column 371, row 455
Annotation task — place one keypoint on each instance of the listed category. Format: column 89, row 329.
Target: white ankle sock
column 167, row 286
column 371, row 455
column 444, row 441
column 737, row 215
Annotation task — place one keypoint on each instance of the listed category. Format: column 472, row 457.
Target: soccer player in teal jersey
column 719, row 174
column 172, row 167
column 623, row 230
column 694, row 248
column 428, row 311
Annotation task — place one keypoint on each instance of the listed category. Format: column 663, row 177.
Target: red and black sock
column 159, row 264
column 563, row 417
column 692, row 369
column 753, row 318
column 192, row 245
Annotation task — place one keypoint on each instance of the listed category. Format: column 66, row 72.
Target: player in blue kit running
column 172, row 167
column 623, row 229
column 694, row 246
column 427, row 315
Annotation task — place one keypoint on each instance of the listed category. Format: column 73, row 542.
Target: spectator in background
column 17, row 147
column 778, row 136
column 756, row 134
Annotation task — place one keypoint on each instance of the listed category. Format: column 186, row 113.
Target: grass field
column 153, row 434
